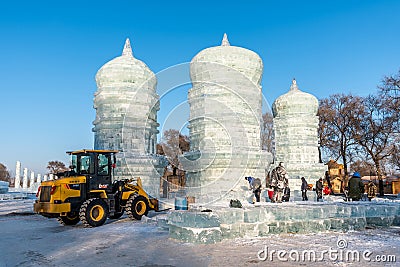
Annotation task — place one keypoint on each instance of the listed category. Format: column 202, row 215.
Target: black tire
column 93, row 212
column 116, row 215
column 70, row 219
column 136, row 207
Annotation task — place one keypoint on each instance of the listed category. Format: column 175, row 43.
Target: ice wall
column 3, row 187
column 294, row 217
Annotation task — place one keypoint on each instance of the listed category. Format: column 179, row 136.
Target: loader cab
column 96, row 165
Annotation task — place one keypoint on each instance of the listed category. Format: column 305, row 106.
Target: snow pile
column 22, row 206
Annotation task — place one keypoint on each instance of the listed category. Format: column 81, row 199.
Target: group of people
column 355, row 188
column 319, row 187
column 278, row 181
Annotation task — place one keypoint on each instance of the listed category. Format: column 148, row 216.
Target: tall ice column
column 296, row 136
column 25, row 179
column 225, row 129
column 17, row 181
column 126, row 104
column 32, row 181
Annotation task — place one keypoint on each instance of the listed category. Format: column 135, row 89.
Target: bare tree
column 373, row 130
column 4, row 173
column 390, row 86
column 184, row 143
column 267, row 132
column 389, row 89
column 364, row 167
column 172, row 146
column 394, row 160
column 159, row 149
column 55, row 167
column 336, row 115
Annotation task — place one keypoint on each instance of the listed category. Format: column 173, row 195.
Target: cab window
column 86, row 164
column 74, row 164
column 103, row 161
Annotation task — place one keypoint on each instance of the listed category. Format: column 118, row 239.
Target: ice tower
column 224, row 124
column 126, row 106
column 296, row 135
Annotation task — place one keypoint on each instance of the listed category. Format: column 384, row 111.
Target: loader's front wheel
column 69, row 219
column 93, row 212
column 136, row 207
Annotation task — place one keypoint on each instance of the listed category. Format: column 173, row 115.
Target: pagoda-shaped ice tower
column 296, row 136
column 126, row 106
column 224, row 124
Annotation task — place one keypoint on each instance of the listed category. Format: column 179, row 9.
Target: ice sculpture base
column 271, row 218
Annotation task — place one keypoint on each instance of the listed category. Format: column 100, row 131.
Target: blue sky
column 50, row 52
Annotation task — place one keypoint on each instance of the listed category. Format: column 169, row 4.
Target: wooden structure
column 337, row 177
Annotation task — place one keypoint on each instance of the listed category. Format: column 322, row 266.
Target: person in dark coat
column 328, row 180
column 304, row 188
column 371, row 190
column 318, row 189
column 257, row 189
column 255, row 185
column 286, row 194
column 356, row 187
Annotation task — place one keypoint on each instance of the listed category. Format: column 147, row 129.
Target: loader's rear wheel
column 116, row 215
column 136, row 207
column 70, row 219
column 93, row 212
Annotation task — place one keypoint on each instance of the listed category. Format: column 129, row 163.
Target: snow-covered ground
column 32, row 240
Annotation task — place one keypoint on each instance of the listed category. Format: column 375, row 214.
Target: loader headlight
column 53, row 189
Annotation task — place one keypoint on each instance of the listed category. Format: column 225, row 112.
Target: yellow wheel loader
column 88, row 194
